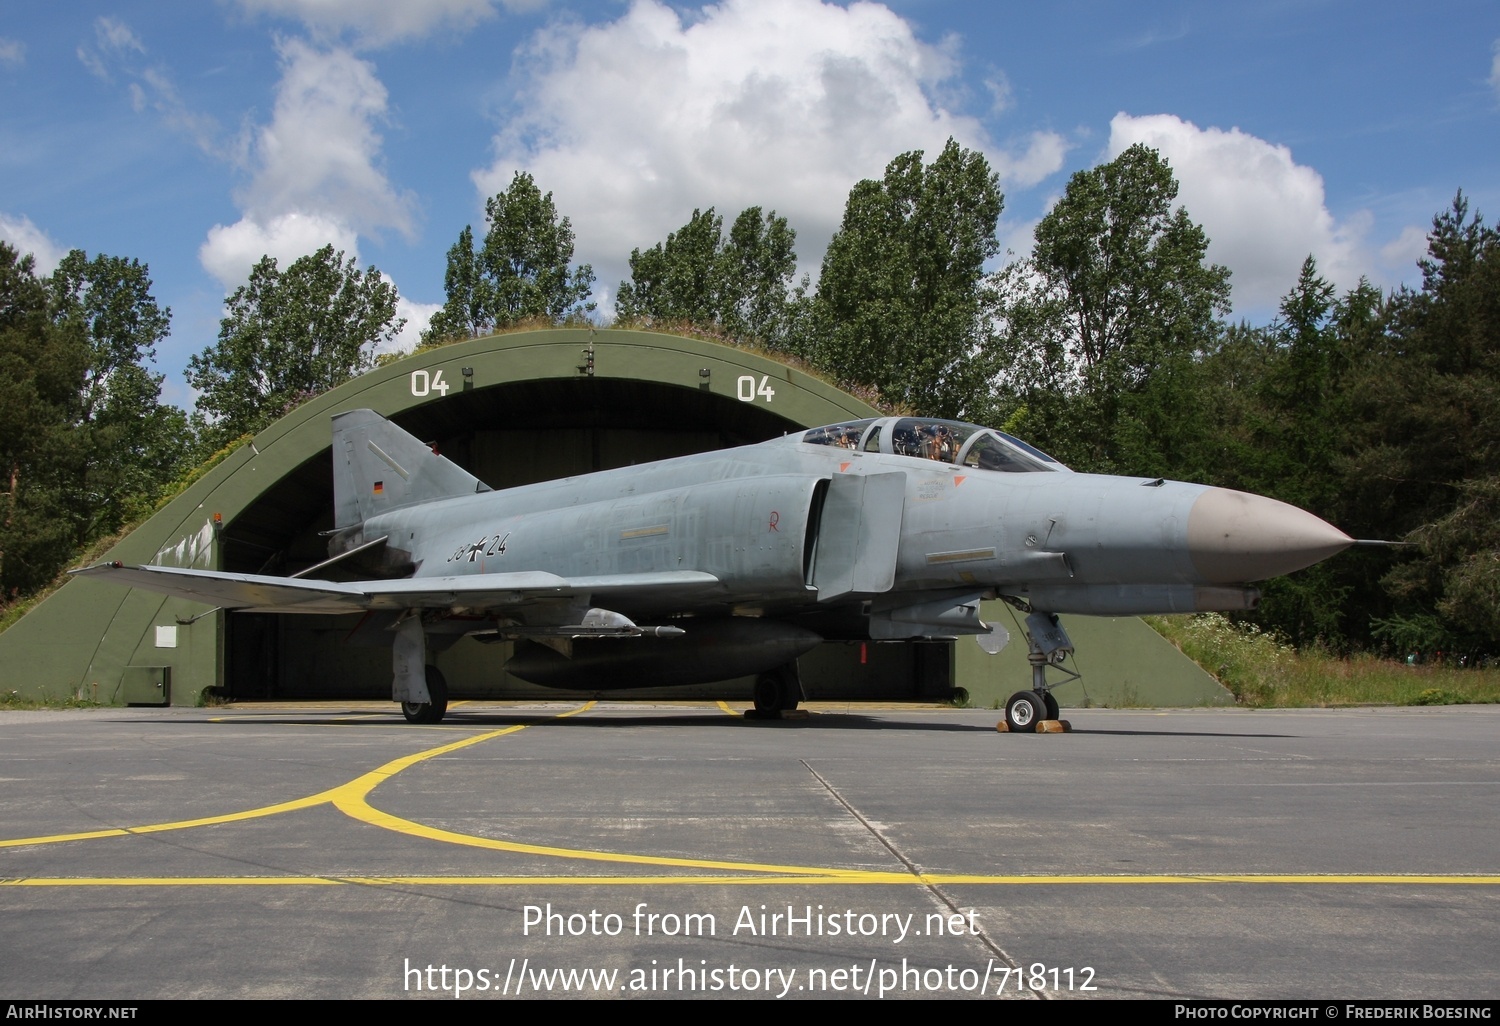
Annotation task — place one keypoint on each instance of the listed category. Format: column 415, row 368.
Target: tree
column 1115, row 298
column 1129, row 267
column 898, row 305
column 739, row 285
column 1433, row 442
column 129, row 444
column 85, row 444
column 680, row 279
column 1288, row 430
column 468, row 311
column 758, row 260
column 1302, row 423
column 42, row 366
column 519, row 273
column 111, row 299
column 289, row 335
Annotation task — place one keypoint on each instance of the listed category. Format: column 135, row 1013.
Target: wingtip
column 96, row 567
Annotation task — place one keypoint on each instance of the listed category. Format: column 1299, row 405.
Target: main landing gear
column 778, row 691
column 431, row 711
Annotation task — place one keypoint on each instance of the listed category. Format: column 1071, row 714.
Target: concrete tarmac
column 622, row 850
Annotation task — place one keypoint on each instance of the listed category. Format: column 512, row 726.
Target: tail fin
column 379, row 467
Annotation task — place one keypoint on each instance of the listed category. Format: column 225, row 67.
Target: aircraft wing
column 259, row 593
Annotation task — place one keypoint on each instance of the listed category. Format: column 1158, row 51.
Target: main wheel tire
column 1053, row 712
column 1024, row 711
column 769, row 694
column 791, row 688
column 433, row 711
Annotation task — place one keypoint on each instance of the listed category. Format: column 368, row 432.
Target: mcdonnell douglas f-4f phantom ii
column 736, row 562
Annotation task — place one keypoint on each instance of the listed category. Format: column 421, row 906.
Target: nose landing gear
column 1047, row 644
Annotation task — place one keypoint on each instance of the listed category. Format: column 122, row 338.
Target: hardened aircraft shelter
column 512, row 409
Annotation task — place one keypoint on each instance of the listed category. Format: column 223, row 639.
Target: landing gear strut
column 1047, row 644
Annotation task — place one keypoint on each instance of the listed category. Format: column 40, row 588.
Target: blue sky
column 197, row 137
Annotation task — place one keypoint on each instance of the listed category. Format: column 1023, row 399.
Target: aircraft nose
column 1235, row 537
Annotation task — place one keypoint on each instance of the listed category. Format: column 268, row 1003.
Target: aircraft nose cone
column 1235, row 537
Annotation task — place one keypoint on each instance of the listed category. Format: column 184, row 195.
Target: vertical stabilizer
column 379, row 467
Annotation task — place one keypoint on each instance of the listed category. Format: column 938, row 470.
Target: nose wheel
column 1028, row 708
column 1047, row 645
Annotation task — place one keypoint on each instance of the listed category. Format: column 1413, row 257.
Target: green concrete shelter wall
column 94, row 640
column 1123, row 661
column 81, row 640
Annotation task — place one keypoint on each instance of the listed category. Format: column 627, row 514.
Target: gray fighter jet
column 734, row 563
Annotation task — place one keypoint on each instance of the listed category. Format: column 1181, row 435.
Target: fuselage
column 737, row 562
column 888, row 510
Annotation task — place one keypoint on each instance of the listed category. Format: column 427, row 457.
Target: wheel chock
column 1042, row 727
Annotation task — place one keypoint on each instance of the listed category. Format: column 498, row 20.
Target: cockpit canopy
column 947, row 441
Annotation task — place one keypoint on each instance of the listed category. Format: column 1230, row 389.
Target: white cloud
column 113, row 40
column 321, row 149
column 231, row 251
column 1495, row 67
column 376, row 24
column 155, row 90
column 314, row 174
column 1406, row 249
column 1016, row 239
column 12, row 52
column 783, row 104
column 117, row 50
column 116, row 37
column 418, row 316
column 1042, row 157
column 1002, row 97
column 28, row 238
column 1263, row 212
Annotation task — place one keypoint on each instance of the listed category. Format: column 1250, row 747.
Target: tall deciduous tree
column 469, row 309
column 679, row 279
column 110, row 297
column 128, row 443
column 85, row 444
column 289, row 335
column 739, row 284
column 1116, row 296
column 899, row 300
column 759, row 259
column 520, row 271
column 42, row 365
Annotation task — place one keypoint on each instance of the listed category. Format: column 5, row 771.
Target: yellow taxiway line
column 352, row 799
column 861, row 879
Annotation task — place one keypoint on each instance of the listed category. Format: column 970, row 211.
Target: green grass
column 13, row 700
column 1263, row 672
